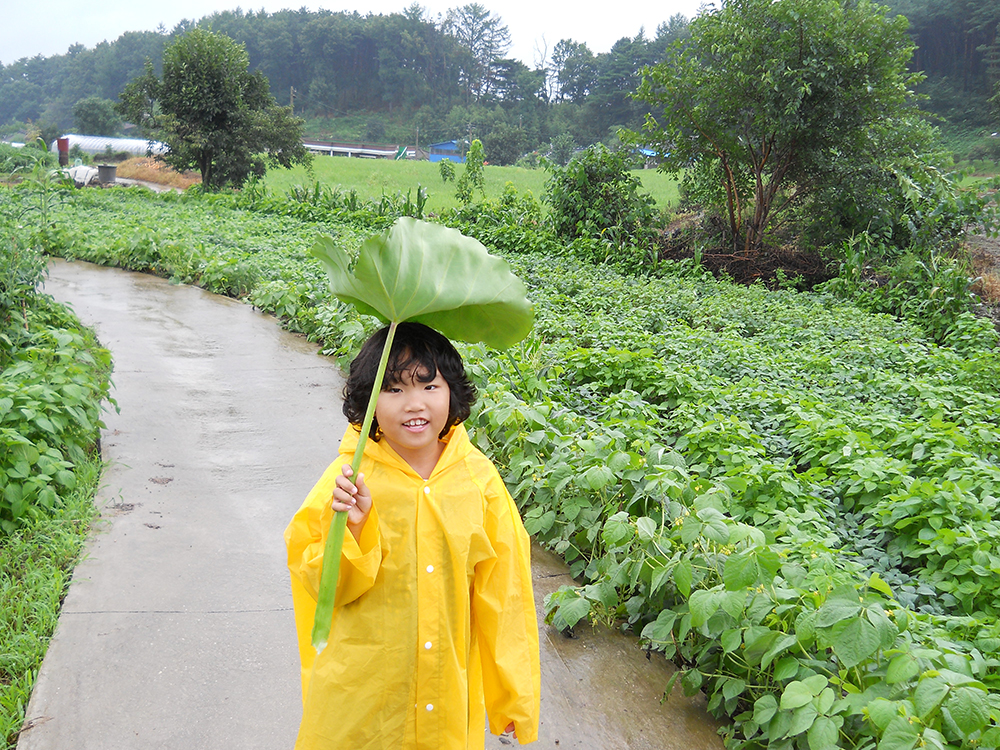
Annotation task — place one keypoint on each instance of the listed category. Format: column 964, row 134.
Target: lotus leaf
column 431, row 274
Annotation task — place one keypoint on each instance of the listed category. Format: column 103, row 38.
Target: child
column 434, row 622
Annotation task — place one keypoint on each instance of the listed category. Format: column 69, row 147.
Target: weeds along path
column 178, row 631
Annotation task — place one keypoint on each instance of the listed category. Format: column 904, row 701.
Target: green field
column 373, row 177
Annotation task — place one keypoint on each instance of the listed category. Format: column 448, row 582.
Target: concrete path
column 177, row 631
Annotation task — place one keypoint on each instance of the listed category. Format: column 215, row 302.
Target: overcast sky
column 49, row 27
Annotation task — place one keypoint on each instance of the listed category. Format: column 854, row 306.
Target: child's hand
column 355, row 499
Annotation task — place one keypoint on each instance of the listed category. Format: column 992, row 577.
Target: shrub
column 50, row 394
column 928, row 288
column 511, row 223
column 447, row 169
column 595, row 196
column 562, row 148
column 21, row 159
column 21, row 271
column 473, row 177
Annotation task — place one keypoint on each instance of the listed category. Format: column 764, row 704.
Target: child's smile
column 411, row 415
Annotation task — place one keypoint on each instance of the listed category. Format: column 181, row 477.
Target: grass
column 373, row 177
column 976, row 172
column 36, row 564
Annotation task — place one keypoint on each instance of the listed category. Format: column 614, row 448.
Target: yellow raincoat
column 434, row 626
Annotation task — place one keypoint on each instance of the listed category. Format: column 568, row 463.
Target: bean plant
column 52, row 382
column 789, row 496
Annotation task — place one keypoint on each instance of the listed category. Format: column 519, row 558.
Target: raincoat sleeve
column 306, row 535
column 305, row 539
column 503, row 613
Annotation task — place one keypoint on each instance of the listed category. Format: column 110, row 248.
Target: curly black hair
column 414, row 347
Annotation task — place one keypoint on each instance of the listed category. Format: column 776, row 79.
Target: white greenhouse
column 99, row 144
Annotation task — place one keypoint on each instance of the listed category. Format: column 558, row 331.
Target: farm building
column 99, row 144
column 446, row 150
column 359, row 150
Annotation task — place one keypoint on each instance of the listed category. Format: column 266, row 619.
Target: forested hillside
column 398, row 77
column 958, row 50
column 407, row 78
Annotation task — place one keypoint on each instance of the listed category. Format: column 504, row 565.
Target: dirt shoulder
column 984, row 255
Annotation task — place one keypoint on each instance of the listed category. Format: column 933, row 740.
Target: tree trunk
column 205, row 167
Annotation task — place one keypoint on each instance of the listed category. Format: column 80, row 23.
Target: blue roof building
column 446, row 150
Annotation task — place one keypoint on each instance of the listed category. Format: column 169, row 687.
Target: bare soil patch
column 774, row 267
column 984, row 255
column 148, row 169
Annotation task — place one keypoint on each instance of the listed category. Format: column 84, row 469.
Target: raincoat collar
column 457, row 447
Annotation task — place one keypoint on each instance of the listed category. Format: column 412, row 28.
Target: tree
column 562, row 150
column 505, row 144
column 96, row 116
column 610, row 98
column 770, row 101
column 676, row 28
column 951, row 37
column 575, row 70
column 486, row 39
column 214, row 114
column 20, row 100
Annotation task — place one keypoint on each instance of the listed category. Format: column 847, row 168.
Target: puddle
column 600, row 691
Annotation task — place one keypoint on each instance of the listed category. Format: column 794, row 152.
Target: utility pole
column 291, row 99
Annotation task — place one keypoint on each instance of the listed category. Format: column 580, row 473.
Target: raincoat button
column 427, row 645
column 430, row 568
column 427, row 490
column 430, row 706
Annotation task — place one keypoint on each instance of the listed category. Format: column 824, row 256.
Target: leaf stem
column 335, row 539
column 524, row 384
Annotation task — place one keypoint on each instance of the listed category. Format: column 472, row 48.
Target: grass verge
column 36, row 564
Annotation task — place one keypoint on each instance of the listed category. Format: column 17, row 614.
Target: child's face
column 412, row 414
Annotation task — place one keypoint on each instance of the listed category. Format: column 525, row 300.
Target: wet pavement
column 601, row 692
column 177, row 631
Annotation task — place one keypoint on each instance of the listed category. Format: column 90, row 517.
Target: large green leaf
column 855, row 642
column 969, row 709
column 740, row 571
column 428, row 273
column 824, row 734
column 901, row 734
column 764, row 708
